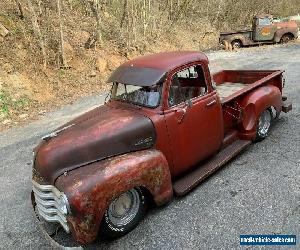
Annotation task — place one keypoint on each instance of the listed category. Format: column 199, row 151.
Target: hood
column 95, row 135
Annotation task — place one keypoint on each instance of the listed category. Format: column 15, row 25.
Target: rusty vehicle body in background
column 264, row 30
column 167, row 126
column 295, row 18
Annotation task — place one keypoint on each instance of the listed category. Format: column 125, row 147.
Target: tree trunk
column 95, row 9
column 125, row 13
column 37, row 32
column 62, row 58
column 20, row 8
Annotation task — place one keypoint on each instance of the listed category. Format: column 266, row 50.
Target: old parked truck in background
column 264, row 30
column 168, row 125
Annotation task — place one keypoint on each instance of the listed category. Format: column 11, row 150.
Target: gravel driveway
column 258, row 192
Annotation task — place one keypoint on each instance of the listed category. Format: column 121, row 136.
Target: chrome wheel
column 124, row 209
column 264, row 123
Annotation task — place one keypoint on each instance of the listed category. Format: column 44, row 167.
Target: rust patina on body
column 264, row 30
column 92, row 160
column 92, row 188
column 98, row 134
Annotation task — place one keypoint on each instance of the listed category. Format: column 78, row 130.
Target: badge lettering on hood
column 55, row 133
column 145, row 141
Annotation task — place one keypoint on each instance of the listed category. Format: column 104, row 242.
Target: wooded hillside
column 55, row 51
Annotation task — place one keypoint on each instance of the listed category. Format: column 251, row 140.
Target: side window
column 187, row 84
column 264, row 21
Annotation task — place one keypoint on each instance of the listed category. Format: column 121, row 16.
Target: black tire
column 263, row 125
column 113, row 227
column 286, row 38
column 236, row 44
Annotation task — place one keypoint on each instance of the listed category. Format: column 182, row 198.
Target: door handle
column 211, row 103
column 182, row 115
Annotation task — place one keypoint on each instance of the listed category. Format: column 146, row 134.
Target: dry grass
column 27, row 90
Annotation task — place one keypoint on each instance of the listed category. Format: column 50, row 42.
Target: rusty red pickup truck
column 167, row 125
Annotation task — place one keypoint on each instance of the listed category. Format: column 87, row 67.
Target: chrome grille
column 47, row 203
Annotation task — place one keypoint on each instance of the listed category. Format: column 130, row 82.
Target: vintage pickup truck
column 264, row 30
column 168, row 125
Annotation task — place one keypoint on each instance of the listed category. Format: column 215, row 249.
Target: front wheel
column 124, row 213
column 263, row 125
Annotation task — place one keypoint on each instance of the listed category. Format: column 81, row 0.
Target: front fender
column 91, row 188
column 254, row 104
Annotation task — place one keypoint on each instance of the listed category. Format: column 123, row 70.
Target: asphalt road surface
column 256, row 193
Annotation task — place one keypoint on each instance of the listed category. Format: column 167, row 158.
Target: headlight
column 63, row 204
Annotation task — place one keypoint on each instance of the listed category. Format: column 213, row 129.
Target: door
column 264, row 30
column 194, row 118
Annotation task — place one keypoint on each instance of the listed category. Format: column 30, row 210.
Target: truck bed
column 228, row 88
column 231, row 84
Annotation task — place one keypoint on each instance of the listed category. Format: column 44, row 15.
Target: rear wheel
column 236, row 44
column 263, row 125
column 124, row 213
column 286, row 38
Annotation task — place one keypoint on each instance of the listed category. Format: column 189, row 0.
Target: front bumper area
column 54, row 244
column 47, row 204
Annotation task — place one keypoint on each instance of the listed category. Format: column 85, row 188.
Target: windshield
column 148, row 96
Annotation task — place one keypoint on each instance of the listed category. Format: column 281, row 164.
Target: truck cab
column 263, row 28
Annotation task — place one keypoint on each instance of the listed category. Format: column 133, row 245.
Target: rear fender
column 91, row 188
column 279, row 33
column 254, row 104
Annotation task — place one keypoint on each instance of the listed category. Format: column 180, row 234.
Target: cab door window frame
column 183, row 68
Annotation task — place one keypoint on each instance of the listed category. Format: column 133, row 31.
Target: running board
column 192, row 179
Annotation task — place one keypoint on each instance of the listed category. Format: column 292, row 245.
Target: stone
column 101, row 65
column 69, row 52
column 93, row 74
column 8, row 68
column 23, row 116
column 6, row 122
column 114, row 62
column 3, row 31
column 42, row 112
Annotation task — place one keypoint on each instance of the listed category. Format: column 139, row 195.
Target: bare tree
column 62, row 58
column 146, row 10
column 95, row 9
column 20, row 8
column 125, row 13
column 97, row 37
column 37, row 32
